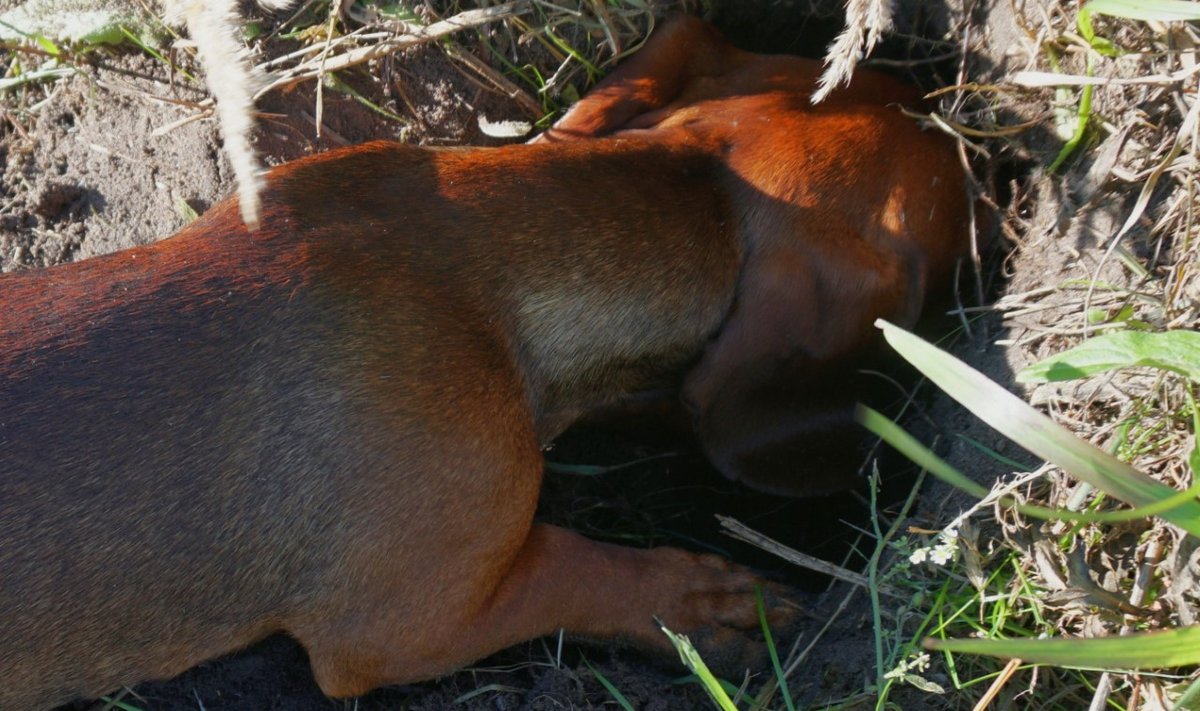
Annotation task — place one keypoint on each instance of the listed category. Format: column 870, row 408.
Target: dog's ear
column 685, row 48
column 772, row 398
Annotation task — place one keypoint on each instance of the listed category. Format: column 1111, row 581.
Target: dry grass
column 1107, row 241
column 553, row 50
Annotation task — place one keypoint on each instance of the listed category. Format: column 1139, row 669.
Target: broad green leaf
column 397, row 11
column 109, row 35
column 47, row 45
column 1037, row 433
column 1189, row 700
column 1101, row 44
column 1176, row 351
column 1164, row 10
column 252, row 31
column 1149, row 650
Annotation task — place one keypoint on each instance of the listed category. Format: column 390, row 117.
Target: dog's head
column 847, row 211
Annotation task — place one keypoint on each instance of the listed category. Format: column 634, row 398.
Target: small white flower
column 943, row 554
column 921, row 662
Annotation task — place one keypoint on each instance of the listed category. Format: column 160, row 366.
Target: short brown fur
column 332, row 427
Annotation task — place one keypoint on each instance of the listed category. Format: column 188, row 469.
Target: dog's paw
column 715, row 604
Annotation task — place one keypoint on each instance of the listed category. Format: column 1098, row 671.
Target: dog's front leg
column 681, row 51
column 603, row 591
column 561, row 580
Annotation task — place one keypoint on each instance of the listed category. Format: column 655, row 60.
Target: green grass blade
column 115, row 702
column 142, row 45
column 691, row 659
column 335, row 83
column 1176, row 351
column 922, row 456
column 1194, row 457
column 594, row 73
column 1102, row 45
column 598, row 469
column 1013, row 464
column 1163, row 10
column 1190, row 699
column 1035, row 432
column 780, row 677
column 1149, row 650
column 612, row 690
column 917, row 453
column 1082, row 116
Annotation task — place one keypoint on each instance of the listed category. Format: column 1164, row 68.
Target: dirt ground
column 93, row 173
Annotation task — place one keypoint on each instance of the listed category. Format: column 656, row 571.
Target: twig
column 742, row 532
column 464, row 20
column 997, row 684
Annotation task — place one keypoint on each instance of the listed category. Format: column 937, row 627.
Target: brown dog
column 332, row 427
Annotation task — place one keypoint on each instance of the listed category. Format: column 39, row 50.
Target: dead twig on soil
column 313, row 68
column 736, row 529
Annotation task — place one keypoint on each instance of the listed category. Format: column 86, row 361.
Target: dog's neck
column 584, row 346
column 603, row 265
column 627, row 294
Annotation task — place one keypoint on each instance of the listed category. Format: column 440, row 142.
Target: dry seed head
column 866, row 23
column 215, row 26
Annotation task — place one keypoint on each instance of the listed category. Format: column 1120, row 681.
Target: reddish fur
column 332, row 426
